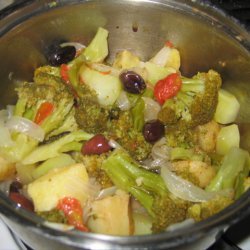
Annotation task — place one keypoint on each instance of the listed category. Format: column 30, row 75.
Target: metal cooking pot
column 206, row 38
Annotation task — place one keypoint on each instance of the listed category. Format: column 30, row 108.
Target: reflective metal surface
column 206, row 39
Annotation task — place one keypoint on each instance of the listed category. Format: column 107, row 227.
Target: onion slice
column 123, row 101
column 78, row 46
column 184, row 189
column 106, row 192
column 25, row 126
column 151, row 110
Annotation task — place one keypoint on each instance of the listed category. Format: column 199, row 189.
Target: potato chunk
column 111, row 215
column 69, row 181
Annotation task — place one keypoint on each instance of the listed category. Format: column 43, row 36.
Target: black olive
column 153, row 130
column 132, row 82
column 61, row 55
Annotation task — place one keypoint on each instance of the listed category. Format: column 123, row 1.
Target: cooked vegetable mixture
column 124, row 149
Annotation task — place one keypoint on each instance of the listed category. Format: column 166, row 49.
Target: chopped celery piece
column 227, row 109
column 97, row 50
column 62, row 160
column 138, row 114
column 156, row 72
column 106, row 86
column 227, row 138
column 236, row 161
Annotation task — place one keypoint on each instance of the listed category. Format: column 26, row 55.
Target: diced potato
column 227, row 109
column 228, row 137
column 69, row 181
column 126, row 60
column 167, row 57
column 7, row 169
column 111, row 215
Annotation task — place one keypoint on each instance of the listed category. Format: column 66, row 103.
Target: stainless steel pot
column 206, row 37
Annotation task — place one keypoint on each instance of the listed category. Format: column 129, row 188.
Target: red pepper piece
column 96, row 145
column 169, row 44
column 167, row 87
column 73, row 211
column 45, row 109
column 64, row 72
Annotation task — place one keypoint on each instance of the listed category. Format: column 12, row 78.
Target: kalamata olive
column 96, row 145
column 61, row 55
column 132, row 82
column 15, row 186
column 21, row 201
column 153, row 130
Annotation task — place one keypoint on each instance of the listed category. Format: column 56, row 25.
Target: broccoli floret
column 206, row 209
column 47, row 105
column 123, row 131
column 90, row 116
column 147, row 187
column 93, row 166
column 49, row 75
column 196, row 102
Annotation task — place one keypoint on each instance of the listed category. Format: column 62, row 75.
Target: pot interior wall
column 141, row 28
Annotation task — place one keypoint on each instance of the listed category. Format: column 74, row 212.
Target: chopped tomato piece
column 64, row 72
column 45, row 109
column 167, row 87
column 73, row 211
column 169, row 44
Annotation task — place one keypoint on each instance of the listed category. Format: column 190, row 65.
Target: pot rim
column 230, row 215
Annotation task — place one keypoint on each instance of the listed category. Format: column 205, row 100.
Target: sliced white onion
column 105, row 69
column 160, row 150
column 151, row 110
column 184, row 189
column 25, row 126
column 114, row 144
column 78, row 46
column 106, row 192
column 123, row 101
column 5, row 136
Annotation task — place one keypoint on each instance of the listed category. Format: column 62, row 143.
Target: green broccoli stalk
column 147, row 187
column 232, row 173
column 196, row 102
column 68, row 142
column 179, row 153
